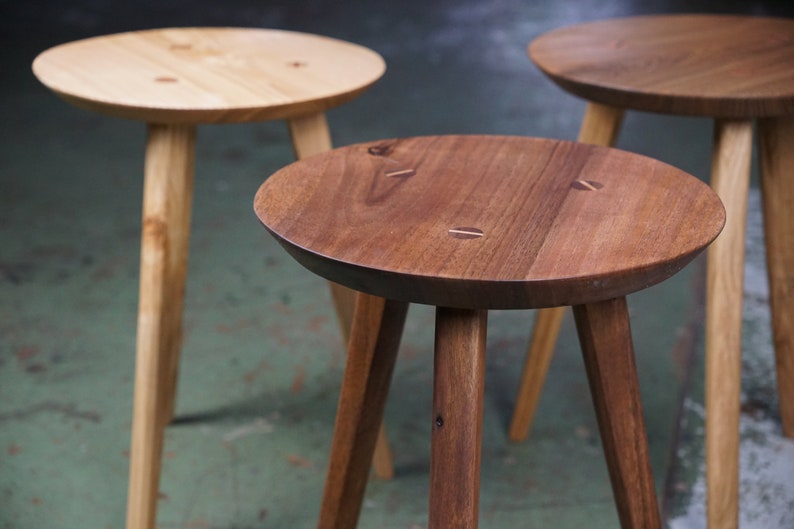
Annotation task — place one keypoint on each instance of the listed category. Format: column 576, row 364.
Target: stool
column 472, row 223
column 176, row 79
column 734, row 69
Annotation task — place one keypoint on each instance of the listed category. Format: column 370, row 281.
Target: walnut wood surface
column 600, row 126
column 458, row 388
column 605, row 336
column 709, row 65
column 562, row 223
column 372, row 351
column 208, row 75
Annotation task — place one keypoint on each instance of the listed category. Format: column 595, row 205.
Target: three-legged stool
column 737, row 70
column 472, row 223
column 174, row 80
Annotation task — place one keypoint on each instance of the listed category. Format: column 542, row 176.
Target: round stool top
column 705, row 65
column 489, row 221
column 208, row 75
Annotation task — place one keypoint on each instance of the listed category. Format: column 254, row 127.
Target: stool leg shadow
column 375, row 338
column 605, row 337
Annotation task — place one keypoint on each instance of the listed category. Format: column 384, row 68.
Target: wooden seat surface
column 489, row 221
column 708, row 65
column 208, row 75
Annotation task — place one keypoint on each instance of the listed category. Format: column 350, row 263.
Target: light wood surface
column 208, row 75
column 458, row 388
column 402, row 196
column 730, row 178
column 371, row 354
column 167, row 192
column 776, row 138
column 706, row 65
column 600, row 126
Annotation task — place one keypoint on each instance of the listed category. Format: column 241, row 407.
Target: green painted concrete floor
column 262, row 356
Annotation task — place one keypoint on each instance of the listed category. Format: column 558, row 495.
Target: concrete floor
column 262, row 358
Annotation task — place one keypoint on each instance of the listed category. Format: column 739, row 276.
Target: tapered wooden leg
column 374, row 341
column 600, row 126
column 310, row 136
column 182, row 159
column 730, row 177
column 605, row 337
column 168, row 183
column 458, row 385
column 776, row 138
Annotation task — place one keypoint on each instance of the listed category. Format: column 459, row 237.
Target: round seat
column 738, row 71
column 489, row 222
column 471, row 223
column 703, row 65
column 176, row 79
column 208, row 75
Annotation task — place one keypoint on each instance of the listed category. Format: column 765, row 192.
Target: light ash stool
column 174, row 80
column 739, row 71
column 472, row 223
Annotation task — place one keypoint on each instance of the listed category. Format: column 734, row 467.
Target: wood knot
column 384, row 149
column 297, row 64
column 166, row 79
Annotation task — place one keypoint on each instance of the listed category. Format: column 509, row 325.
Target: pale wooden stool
column 471, row 223
column 737, row 70
column 176, row 79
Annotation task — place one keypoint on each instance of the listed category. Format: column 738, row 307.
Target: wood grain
column 208, row 75
column 730, row 177
column 600, row 126
column 310, row 135
column 776, row 136
column 371, row 354
column 605, row 336
column 646, row 222
column 166, row 212
column 458, row 387
column 707, row 65
column 735, row 69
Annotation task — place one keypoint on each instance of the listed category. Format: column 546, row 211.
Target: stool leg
column 600, row 126
column 730, row 177
column 777, row 183
column 458, row 385
column 372, row 351
column 605, row 337
column 168, row 187
column 310, row 135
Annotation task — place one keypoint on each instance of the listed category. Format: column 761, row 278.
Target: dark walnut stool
column 738, row 71
column 471, row 223
column 175, row 80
